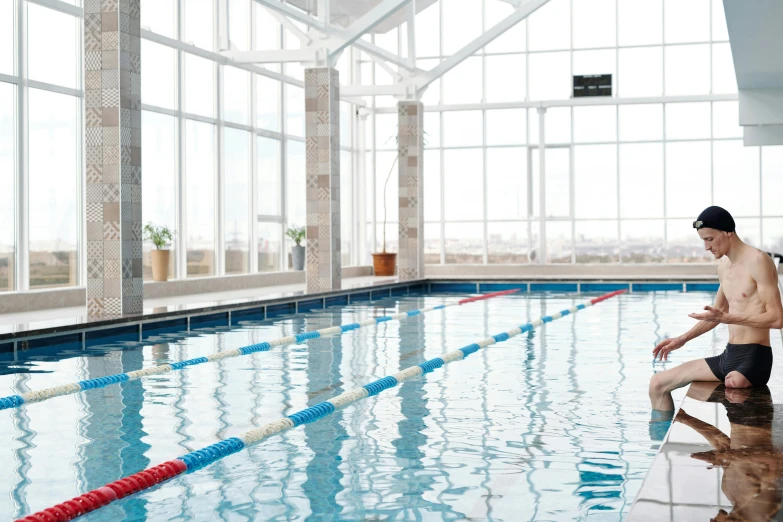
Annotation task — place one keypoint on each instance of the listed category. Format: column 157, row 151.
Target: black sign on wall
column 592, row 85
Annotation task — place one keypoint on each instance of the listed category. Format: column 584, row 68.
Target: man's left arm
column 766, row 276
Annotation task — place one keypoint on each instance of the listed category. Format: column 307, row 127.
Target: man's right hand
column 662, row 350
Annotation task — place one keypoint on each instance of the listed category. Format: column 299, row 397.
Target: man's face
column 715, row 241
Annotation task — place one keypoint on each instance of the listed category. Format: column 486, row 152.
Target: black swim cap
column 715, row 217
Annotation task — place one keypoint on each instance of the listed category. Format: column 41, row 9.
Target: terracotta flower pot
column 160, row 265
column 384, row 263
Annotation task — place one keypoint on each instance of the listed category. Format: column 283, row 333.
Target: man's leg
column 736, row 380
column 662, row 383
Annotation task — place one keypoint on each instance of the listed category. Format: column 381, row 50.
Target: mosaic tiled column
column 410, row 259
column 112, row 82
column 322, row 113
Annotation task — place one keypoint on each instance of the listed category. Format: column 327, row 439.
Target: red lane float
column 607, row 296
column 489, row 296
column 116, row 490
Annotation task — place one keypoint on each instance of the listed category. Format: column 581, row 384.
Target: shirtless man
column 748, row 301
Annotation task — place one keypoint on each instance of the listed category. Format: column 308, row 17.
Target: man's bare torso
column 741, row 291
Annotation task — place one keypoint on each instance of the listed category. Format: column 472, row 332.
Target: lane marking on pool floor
column 14, row 401
column 198, row 459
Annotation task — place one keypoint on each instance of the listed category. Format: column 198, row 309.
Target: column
column 410, row 259
column 322, row 132
column 112, row 62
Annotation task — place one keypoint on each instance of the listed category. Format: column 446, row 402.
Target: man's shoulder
column 761, row 263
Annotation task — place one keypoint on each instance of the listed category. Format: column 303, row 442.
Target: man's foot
column 660, row 420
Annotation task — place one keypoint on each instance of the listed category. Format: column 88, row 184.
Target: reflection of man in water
column 752, row 465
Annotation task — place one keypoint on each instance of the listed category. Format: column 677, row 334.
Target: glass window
column 687, row 21
column 346, row 117
column 749, row 230
column 596, row 242
column 736, row 178
column 464, row 243
column 432, row 243
column 295, row 183
column 199, row 86
column 641, row 122
column 237, row 203
column 550, row 76
column 507, row 243
column 431, row 96
column 595, row 181
column 640, row 23
column 7, row 38
column 720, row 32
column 772, row 241
column 461, row 24
column 269, row 235
column 462, row 128
column 268, row 103
column 200, row 197
column 463, row 180
column 549, row 28
column 53, row 170
column 159, row 179
column 771, row 181
column 559, row 241
column 463, row 84
column 557, row 125
column 513, row 40
column 687, row 69
column 49, row 63
column 198, row 23
column 507, row 183
column 160, row 16
column 428, row 31
column 687, row 121
column 641, row 71
column 388, row 40
column 558, row 184
column 268, row 157
column 238, row 24
column 432, row 185
column 158, row 75
column 688, row 183
column 431, row 129
column 7, row 184
column 725, row 120
column 641, row 180
column 386, row 169
column 724, row 80
column 642, row 241
column 268, row 29
column 595, row 124
column 295, row 110
column 684, row 244
column 386, row 128
column 506, row 78
column 594, row 23
column 236, row 94
column 506, row 126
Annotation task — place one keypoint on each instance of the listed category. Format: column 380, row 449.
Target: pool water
column 549, row 425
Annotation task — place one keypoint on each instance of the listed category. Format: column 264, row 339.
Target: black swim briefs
column 753, row 361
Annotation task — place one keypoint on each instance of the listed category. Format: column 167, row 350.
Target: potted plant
column 160, row 237
column 297, row 234
column 384, row 262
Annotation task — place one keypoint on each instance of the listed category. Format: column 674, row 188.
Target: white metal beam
column 471, row 48
column 288, row 24
column 289, row 55
column 340, row 39
column 396, row 89
column 369, row 48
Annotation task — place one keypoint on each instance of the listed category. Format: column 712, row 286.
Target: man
column 748, row 301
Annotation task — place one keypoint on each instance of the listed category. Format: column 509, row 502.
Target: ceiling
column 343, row 12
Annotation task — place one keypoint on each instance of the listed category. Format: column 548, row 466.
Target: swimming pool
column 550, row 425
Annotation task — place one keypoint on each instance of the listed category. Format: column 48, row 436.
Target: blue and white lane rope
column 14, row 401
column 200, row 458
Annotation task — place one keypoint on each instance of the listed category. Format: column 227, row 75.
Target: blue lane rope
column 14, row 401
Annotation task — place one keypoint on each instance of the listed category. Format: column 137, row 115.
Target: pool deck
column 722, row 458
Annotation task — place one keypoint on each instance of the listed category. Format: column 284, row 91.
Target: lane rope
column 198, row 459
column 15, row 401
